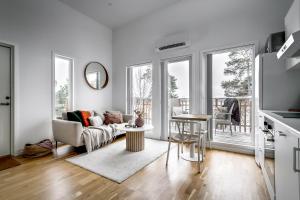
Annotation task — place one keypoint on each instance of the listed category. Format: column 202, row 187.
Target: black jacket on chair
column 236, row 117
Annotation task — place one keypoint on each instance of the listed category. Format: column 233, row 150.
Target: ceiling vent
column 171, row 42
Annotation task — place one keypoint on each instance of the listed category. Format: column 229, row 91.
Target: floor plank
column 224, row 176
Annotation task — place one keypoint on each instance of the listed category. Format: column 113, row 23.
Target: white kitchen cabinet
column 292, row 19
column 286, row 179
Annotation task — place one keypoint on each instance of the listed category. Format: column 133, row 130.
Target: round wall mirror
column 96, row 75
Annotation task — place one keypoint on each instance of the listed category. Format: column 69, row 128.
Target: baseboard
column 233, row 148
column 5, row 156
column 249, row 150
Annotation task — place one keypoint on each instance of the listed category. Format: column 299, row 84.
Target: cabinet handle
column 295, row 159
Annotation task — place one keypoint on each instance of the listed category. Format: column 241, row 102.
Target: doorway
column 176, row 89
column 6, row 95
column 230, row 95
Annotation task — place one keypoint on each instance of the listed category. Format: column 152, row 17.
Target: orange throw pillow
column 85, row 118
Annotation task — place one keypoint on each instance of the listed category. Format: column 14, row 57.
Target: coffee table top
column 146, row 127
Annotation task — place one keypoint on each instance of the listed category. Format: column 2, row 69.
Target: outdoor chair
column 223, row 117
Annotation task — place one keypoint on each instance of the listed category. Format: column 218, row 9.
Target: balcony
column 242, row 132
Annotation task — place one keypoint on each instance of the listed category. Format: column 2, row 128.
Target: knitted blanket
column 96, row 137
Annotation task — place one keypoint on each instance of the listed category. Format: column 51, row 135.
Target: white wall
column 36, row 28
column 211, row 25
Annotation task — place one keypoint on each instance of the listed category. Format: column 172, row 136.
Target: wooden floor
column 225, row 176
column 7, row 162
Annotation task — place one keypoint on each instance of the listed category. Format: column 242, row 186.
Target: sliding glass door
column 230, row 94
column 176, row 89
column 139, row 90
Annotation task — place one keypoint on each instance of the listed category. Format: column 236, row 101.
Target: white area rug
column 117, row 164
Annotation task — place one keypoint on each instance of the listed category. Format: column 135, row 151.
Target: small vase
column 139, row 121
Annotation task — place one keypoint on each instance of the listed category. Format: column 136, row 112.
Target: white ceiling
column 116, row 13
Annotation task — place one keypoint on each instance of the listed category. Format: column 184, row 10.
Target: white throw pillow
column 96, row 121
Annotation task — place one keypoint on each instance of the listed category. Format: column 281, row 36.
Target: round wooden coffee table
column 135, row 140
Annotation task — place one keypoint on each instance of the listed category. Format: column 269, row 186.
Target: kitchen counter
column 291, row 123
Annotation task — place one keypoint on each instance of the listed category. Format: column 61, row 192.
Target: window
column 63, row 85
column 139, row 90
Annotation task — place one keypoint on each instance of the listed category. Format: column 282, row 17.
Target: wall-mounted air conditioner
column 171, row 42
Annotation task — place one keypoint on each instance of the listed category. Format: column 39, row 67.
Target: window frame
column 71, row 73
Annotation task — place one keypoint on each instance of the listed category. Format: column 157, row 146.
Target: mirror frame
column 106, row 74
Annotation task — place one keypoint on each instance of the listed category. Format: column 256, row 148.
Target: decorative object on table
column 130, row 123
column 40, row 149
column 139, row 121
column 96, row 75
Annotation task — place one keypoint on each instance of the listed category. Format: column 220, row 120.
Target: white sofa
column 70, row 132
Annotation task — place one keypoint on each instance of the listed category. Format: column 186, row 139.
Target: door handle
column 4, row 104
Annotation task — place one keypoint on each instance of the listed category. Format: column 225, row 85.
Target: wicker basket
column 38, row 150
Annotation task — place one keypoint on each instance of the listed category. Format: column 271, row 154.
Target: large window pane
column 139, row 85
column 63, row 85
column 178, row 87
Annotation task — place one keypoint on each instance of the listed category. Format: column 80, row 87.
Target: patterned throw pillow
column 96, row 121
column 85, row 118
column 113, row 118
column 117, row 113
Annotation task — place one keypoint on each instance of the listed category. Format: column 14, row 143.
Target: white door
column 5, row 66
column 176, row 89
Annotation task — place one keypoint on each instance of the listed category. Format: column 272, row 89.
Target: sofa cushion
column 85, row 115
column 117, row 113
column 78, row 112
column 72, row 116
column 96, row 121
column 113, row 118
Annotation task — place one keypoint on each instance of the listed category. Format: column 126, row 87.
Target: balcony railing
column 181, row 106
column 245, row 106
